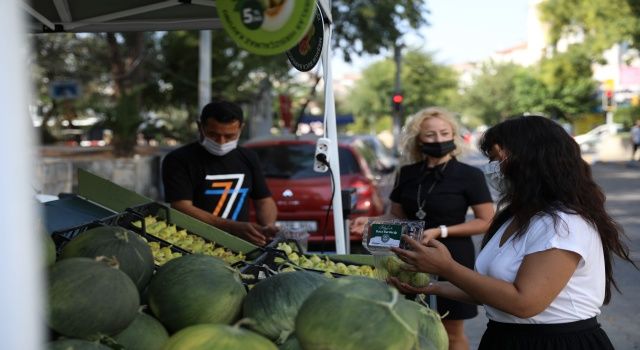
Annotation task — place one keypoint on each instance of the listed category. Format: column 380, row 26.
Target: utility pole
column 397, row 112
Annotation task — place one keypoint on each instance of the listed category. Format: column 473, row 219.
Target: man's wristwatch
column 444, row 232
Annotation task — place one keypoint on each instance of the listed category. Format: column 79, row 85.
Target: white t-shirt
column 583, row 295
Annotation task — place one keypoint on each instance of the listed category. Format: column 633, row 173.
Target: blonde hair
column 410, row 144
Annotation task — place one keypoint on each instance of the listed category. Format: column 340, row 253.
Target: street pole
column 397, row 113
column 609, row 117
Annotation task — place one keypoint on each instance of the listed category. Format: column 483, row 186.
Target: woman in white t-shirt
column 544, row 269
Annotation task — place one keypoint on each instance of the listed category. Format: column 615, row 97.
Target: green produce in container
column 356, row 313
column 144, row 333
column 132, row 252
column 76, row 344
column 391, row 266
column 90, row 297
column 217, row 336
column 274, row 302
column 194, row 289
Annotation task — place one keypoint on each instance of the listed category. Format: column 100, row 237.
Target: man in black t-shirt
column 213, row 179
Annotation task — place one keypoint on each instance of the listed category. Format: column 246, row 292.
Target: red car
column 303, row 195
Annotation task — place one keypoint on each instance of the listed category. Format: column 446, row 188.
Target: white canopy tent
column 46, row 16
column 21, row 264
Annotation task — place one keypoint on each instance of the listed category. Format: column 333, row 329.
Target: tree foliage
column 560, row 87
column 235, row 73
column 161, row 69
column 493, row 95
column 424, row 83
column 600, row 23
column 371, row 26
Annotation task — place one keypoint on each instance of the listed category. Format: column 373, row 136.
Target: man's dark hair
column 222, row 111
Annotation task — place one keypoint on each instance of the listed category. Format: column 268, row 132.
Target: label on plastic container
column 385, row 235
column 379, row 236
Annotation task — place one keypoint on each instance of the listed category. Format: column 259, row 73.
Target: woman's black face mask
column 438, row 149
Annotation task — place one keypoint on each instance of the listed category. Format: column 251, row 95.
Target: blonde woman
column 432, row 185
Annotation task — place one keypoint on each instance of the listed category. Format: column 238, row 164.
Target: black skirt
column 579, row 335
column 463, row 252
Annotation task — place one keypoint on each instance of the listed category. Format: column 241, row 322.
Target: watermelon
column 195, row 289
column 273, row 303
column 50, row 249
column 431, row 332
column 76, row 344
column 144, row 333
column 291, row 343
column 131, row 251
column 356, row 313
column 217, row 336
column 88, row 298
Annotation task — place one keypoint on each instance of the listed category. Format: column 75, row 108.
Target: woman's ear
column 498, row 152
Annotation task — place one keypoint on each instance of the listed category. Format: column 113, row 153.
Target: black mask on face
column 438, row 149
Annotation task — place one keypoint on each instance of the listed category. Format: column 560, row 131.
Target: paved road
column 621, row 318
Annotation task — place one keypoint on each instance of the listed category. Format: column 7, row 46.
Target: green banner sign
column 266, row 27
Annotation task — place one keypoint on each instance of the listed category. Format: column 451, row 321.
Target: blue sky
column 464, row 30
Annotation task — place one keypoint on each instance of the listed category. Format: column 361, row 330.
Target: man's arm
column 245, row 230
column 266, row 215
column 266, row 211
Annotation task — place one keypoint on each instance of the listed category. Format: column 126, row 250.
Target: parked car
column 381, row 161
column 590, row 140
column 302, row 195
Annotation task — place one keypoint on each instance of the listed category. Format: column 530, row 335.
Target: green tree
column 236, row 74
column 493, row 95
column 108, row 67
column 424, row 83
column 601, row 23
column 560, row 87
column 568, row 80
column 374, row 26
column 67, row 57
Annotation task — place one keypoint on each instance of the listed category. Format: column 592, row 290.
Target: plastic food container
column 298, row 235
column 389, row 265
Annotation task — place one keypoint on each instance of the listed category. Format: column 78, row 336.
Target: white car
column 590, row 140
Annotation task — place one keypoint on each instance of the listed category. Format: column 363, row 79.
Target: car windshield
column 295, row 161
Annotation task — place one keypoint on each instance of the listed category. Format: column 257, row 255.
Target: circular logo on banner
column 266, row 27
column 306, row 54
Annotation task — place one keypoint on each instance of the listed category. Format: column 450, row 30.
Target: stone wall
column 140, row 174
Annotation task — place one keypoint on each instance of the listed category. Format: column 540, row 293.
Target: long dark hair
column 545, row 173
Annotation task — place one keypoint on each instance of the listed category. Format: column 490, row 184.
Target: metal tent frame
column 82, row 16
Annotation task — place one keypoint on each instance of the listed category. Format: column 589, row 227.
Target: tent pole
column 21, row 262
column 204, row 72
column 332, row 134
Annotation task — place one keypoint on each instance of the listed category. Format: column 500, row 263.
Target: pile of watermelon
column 105, row 293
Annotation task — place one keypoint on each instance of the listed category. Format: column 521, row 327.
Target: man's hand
column 249, row 231
column 270, row 231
